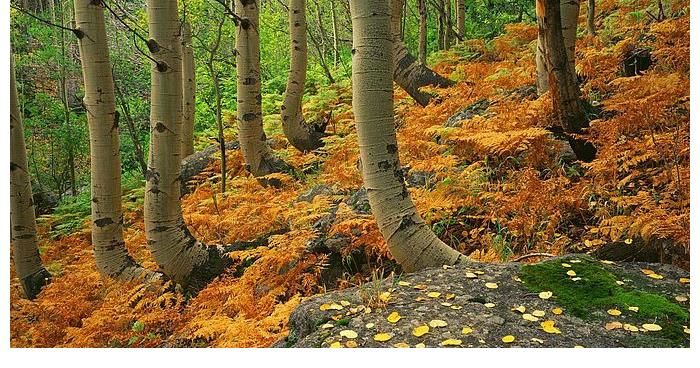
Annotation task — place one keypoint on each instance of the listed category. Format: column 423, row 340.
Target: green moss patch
column 598, row 290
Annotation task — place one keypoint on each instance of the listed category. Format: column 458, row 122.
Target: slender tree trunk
column 590, row 18
column 423, row 32
column 259, row 158
column 408, row 72
column 321, row 58
column 336, row 49
column 111, row 255
column 31, row 272
column 569, row 22
column 302, row 136
column 449, row 37
column 131, row 127
column 321, row 30
column 461, row 14
column 189, row 88
column 182, row 258
column 564, row 90
column 441, row 24
column 410, row 240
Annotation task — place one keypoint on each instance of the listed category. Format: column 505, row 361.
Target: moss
column 598, row 291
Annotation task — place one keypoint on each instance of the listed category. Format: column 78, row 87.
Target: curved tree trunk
column 259, row 158
column 569, row 21
column 566, row 96
column 189, row 89
column 408, row 72
column 182, row 258
column 31, row 272
column 304, row 137
column 111, row 255
column 590, row 17
column 410, row 240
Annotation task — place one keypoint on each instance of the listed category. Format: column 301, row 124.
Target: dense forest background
column 486, row 170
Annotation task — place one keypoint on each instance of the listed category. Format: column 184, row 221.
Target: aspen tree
column 569, row 22
column 304, row 137
column 422, row 32
column 259, row 158
column 189, row 89
column 411, row 242
column 111, row 255
column 461, row 10
column 181, row 257
column 590, row 17
column 25, row 253
column 565, row 93
column 409, row 74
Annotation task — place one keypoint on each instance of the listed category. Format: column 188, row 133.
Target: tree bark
column 461, row 14
column 564, row 90
column 181, row 257
column 408, row 72
column 336, row 36
column 441, row 24
column 189, row 89
column 448, row 24
column 590, row 17
column 423, row 32
column 304, row 137
column 111, row 255
column 259, row 158
column 31, row 272
column 569, row 21
column 410, row 240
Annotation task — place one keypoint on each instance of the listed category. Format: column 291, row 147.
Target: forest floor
column 494, row 183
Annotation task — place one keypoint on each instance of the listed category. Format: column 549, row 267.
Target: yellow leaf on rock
column 538, row 313
column 467, row 330
column 557, row 311
column 647, row 271
column 566, row 265
column 628, row 241
column 401, row 345
column 508, row 339
column 404, row 283
column 651, row 327
column 684, row 280
column 571, row 273
column 348, row 334
column 545, row 295
column 369, row 325
column 433, row 294
column 548, row 327
column 655, row 276
column 344, row 303
column 451, row 342
column 446, row 304
column 381, row 337
column 420, row 345
column 327, row 326
column 613, row 325
column 489, row 305
column 420, row 331
column 520, row 308
column 614, row 312
column 437, row 323
column 530, row 317
column 456, row 307
column 335, row 345
column 491, row 285
column 385, row 296
column 393, row 317
column 351, row 343
column 471, row 275
column 420, row 287
column 681, row 298
column 631, row 328
column 449, row 296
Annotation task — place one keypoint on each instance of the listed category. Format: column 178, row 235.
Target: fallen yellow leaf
column 491, row 285
column 348, row 334
column 681, row 298
column 471, row 275
column 446, row 304
column 548, row 327
column 381, row 337
column 369, row 325
column 467, row 330
column 566, row 265
column 634, row 309
column 335, row 345
column 344, row 303
column 571, row 273
column 326, row 326
column 451, row 342
column 385, row 296
column 351, row 343
column 404, row 283
column 520, row 308
column 437, row 323
column 538, row 313
column 628, row 241
column 393, row 317
column 651, row 327
column 630, row 328
column 508, row 339
column 420, row 331
column 456, row 307
column 489, row 305
column 420, row 345
column 546, row 295
column 613, row 325
column 530, row 317
column 401, row 345
column 684, row 280
column 614, row 312
column 655, row 276
column 433, row 294
column 557, row 311
column 449, row 296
